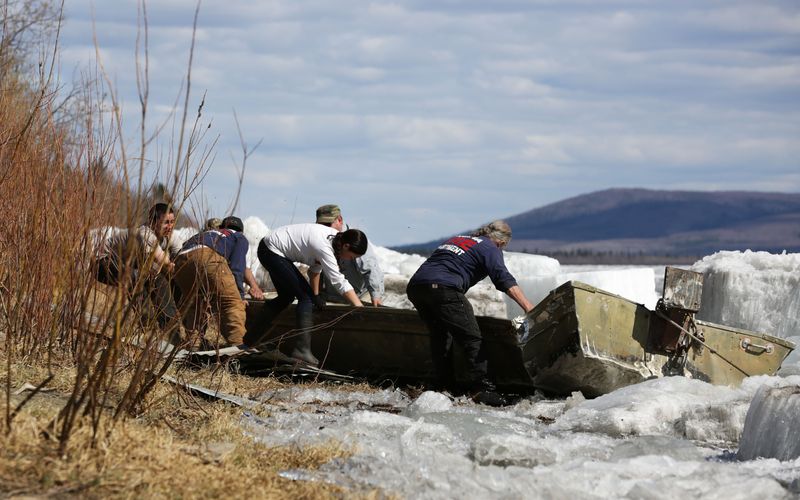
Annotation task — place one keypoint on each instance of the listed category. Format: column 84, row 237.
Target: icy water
column 665, row 438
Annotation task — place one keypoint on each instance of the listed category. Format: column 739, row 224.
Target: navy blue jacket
column 230, row 244
column 462, row 261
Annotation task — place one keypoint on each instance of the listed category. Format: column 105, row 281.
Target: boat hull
column 586, row 339
column 383, row 343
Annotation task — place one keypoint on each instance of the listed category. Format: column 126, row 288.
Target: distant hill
column 633, row 224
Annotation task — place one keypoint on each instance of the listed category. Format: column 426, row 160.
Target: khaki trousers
column 205, row 279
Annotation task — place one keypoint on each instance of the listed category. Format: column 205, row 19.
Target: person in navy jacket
column 438, row 290
column 209, row 270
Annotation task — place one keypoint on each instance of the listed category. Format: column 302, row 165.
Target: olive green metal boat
column 585, row 339
column 579, row 338
column 383, row 343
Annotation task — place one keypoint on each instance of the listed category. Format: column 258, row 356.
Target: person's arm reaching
column 351, row 297
column 250, row 279
column 515, row 292
column 313, row 280
column 161, row 261
column 371, row 270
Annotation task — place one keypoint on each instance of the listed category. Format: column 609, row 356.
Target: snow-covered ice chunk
column 757, row 291
column 428, row 402
column 772, row 427
column 664, row 406
column 635, row 284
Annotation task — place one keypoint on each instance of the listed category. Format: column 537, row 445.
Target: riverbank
column 181, row 447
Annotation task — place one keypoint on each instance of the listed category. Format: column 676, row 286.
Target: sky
column 424, row 118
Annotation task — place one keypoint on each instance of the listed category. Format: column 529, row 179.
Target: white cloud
column 455, row 112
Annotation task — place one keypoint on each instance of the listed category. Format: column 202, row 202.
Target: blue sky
column 423, row 118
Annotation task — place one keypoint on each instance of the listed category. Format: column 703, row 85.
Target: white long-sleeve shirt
column 309, row 244
column 112, row 242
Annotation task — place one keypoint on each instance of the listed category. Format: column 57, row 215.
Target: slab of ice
column 671, row 406
column 757, row 291
column 791, row 365
column 522, row 265
column 636, row 284
column 772, row 427
column 506, row 450
column 402, row 264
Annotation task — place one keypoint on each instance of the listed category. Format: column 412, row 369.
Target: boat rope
column 699, row 340
column 322, row 326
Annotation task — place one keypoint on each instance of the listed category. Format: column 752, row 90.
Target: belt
column 433, row 285
column 190, row 250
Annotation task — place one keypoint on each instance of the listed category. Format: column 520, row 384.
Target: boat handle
column 747, row 344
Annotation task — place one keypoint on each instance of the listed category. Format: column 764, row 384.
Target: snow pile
column 486, row 300
column 672, row 406
column 401, row 264
column 522, row 265
column 756, row 291
column 428, row 402
column 772, row 429
column 179, row 237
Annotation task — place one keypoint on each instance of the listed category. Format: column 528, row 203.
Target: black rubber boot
column 301, row 344
column 485, row 392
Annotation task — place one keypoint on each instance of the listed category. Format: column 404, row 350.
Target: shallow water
column 664, row 438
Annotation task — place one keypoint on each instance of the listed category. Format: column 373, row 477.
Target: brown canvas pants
column 205, row 279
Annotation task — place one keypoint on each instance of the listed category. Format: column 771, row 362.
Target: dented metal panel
column 682, row 289
column 731, row 354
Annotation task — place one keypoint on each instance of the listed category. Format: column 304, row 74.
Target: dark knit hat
column 232, row 222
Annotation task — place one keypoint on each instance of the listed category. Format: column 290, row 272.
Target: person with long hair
column 124, row 256
column 438, row 290
column 319, row 247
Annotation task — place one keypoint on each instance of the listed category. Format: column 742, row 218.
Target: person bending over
column 438, row 289
column 364, row 273
column 209, row 270
column 123, row 257
column 319, row 247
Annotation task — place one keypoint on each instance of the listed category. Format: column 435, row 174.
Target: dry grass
column 99, row 427
column 181, row 447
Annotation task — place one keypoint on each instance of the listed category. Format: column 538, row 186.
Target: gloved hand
column 520, row 324
column 318, row 301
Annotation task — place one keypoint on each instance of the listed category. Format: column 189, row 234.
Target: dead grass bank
column 181, row 448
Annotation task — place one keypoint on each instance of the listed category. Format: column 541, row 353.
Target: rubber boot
column 485, row 392
column 301, row 346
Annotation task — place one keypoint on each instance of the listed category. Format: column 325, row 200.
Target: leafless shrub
column 58, row 180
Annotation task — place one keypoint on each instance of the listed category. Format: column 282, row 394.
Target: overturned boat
column 579, row 338
column 585, row 339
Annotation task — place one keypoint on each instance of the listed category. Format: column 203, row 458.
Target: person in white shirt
column 319, row 247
